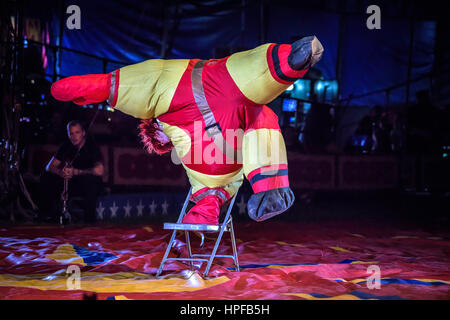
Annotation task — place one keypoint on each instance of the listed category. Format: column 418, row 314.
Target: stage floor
column 279, row 261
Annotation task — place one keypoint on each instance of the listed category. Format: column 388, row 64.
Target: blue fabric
column 377, row 59
column 319, row 295
column 93, row 258
column 252, row 266
column 296, row 22
column 365, row 295
column 360, row 295
column 409, row 281
column 132, row 31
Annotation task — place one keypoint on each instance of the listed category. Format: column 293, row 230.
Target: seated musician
column 80, row 162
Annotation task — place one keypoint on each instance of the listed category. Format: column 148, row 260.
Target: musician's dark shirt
column 88, row 156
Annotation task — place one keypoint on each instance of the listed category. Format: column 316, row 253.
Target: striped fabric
column 112, row 100
column 277, row 55
column 221, row 193
column 269, row 177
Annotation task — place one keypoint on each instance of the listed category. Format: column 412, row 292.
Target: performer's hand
column 67, row 173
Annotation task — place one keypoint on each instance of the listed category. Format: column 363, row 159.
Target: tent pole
column 411, row 47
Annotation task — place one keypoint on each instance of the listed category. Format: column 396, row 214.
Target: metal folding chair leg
column 225, row 226
column 233, row 244
column 188, row 242
column 182, row 213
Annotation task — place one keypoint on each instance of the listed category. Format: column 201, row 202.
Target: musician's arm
column 96, row 170
column 54, row 166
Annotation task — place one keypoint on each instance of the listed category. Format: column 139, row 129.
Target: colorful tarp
column 279, row 260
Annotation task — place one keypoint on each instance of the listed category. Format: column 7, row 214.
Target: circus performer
column 214, row 114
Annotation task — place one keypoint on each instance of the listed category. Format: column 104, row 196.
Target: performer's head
column 153, row 137
column 76, row 133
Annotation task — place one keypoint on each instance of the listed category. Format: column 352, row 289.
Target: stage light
column 289, row 105
column 359, row 140
column 290, row 88
column 301, row 89
column 445, row 151
column 319, row 86
column 326, row 90
column 291, row 120
column 306, row 107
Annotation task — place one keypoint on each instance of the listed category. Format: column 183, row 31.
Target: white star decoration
column 152, row 208
column 164, row 206
column 114, row 209
column 100, row 210
column 127, row 210
column 140, row 207
column 241, row 204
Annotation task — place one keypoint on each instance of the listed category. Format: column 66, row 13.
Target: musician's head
column 76, row 133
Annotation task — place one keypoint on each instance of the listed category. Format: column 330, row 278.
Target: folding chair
column 225, row 226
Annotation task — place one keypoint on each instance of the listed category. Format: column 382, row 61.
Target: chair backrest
column 185, row 204
column 227, row 217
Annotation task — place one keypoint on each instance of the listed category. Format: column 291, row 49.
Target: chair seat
column 193, row 227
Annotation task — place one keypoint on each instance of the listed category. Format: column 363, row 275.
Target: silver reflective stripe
column 111, row 89
column 213, row 129
column 199, row 95
column 209, row 192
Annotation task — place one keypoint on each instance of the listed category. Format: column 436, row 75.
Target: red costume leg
column 205, row 211
column 90, row 88
column 207, row 207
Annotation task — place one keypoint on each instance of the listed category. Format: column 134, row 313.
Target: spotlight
column 301, row 89
column 326, row 89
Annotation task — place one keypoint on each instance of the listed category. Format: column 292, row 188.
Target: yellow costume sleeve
column 250, row 71
column 146, row 89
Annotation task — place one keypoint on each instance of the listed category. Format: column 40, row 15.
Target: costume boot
column 205, row 211
column 305, row 53
column 266, row 204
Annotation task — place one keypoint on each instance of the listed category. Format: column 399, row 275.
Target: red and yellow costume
column 215, row 116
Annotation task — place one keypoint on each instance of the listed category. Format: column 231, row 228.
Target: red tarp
column 279, row 260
